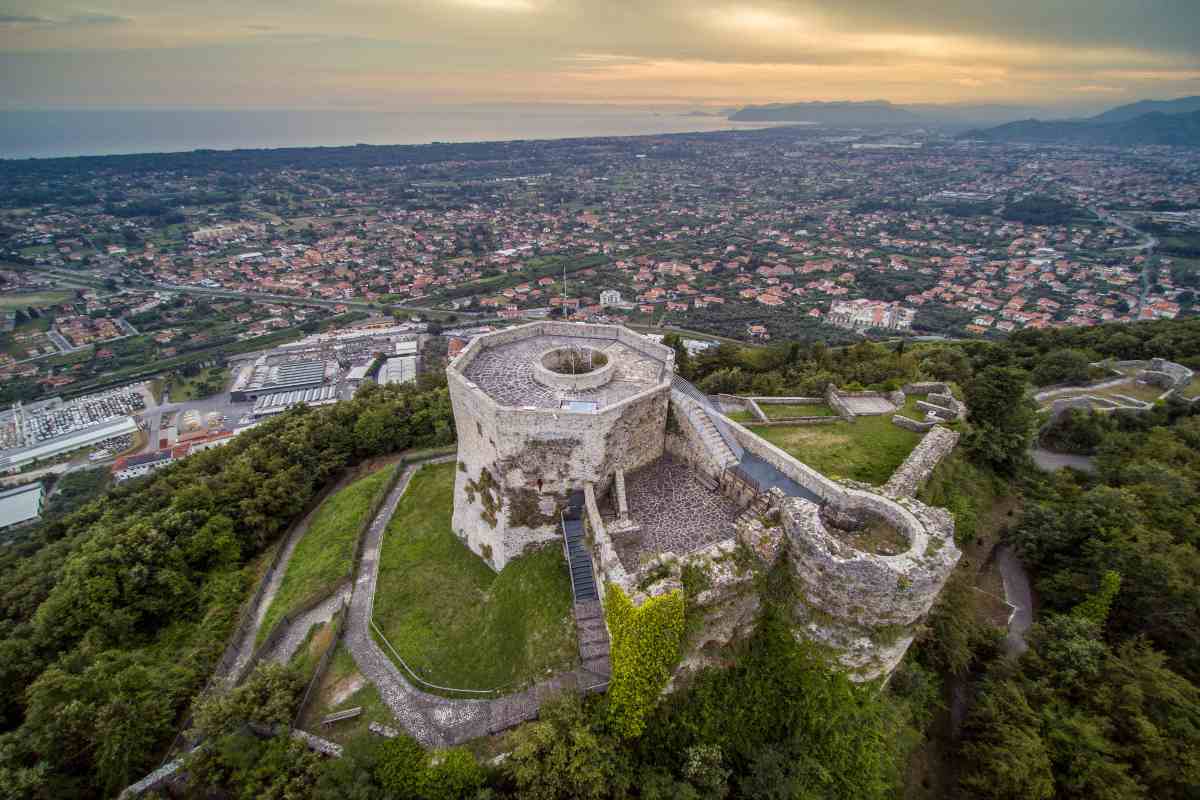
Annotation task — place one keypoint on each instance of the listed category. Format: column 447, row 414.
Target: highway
column 305, row 301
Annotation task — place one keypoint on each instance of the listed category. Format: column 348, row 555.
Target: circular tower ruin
column 541, row 410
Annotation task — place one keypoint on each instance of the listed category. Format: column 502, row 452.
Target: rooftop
column 20, row 504
column 509, row 365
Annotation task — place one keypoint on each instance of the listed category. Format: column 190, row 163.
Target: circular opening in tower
column 866, row 531
column 574, row 360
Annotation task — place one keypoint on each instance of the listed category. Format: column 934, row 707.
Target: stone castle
column 555, row 416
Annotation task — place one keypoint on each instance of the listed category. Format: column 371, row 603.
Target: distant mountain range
column 1162, row 122
column 1171, row 122
column 1182, row 105
column 874, row 113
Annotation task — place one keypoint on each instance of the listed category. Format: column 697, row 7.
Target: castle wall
column 500, row 514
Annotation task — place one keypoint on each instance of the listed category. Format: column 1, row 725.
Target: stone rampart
column 834, row 399
column 921, row 462
column 517, row 463
column 868, row 606
column 909, row 424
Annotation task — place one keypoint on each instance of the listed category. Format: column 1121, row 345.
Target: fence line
column 417, row 677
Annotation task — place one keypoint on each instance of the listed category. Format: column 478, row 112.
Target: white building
column 401, row 369
column 610, row 297
column 861, row 315
column 20, row 504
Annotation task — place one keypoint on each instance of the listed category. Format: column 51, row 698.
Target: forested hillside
column 113, row 616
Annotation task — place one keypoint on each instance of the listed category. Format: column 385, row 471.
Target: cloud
column 18, row 19
column 595, row 50
column 88, row 18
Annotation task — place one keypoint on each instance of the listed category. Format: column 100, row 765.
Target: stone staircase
column 589, row 613
column 593, row 639
column 712, row 438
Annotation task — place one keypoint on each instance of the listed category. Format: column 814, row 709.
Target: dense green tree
column 1002, row 418
column 1062, row 366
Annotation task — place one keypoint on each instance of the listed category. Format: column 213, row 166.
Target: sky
column 398, row 54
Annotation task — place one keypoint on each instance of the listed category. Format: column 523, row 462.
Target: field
column 784, row 410
column 868, row 449
column 742, row 417
column 324, row 554
column 10, row 302
column 1190, row 391
column 206, row 383
column 454, row 620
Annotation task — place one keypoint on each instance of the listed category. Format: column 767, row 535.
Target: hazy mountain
column 881, row 112
column 871, row 112
column 1152, row 128
column 1125, row 113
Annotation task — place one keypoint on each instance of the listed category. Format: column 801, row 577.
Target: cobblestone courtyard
column 676, row 511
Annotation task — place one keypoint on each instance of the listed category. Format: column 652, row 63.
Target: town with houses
column 215, row 299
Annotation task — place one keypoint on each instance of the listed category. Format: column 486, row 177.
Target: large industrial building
column 20, row 505
column 263, row 378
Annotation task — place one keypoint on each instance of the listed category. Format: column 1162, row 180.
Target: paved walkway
column 1019, row 595
column 433, row 720
column 247, row 645
column 297, row 630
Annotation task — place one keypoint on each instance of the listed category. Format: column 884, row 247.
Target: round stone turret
column 541, row 410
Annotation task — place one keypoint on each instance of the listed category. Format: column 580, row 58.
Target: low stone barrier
column 834, row 399
column 610, row 566
column 338, row 622
column 799, row 421
column 921, row 462
column 909, row 424
column 280, row 629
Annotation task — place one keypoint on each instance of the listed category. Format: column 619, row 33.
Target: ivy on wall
column 489, row 494
column 646, row 646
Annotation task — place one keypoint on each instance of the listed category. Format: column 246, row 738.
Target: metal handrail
column 567, row 555
column 417, row 677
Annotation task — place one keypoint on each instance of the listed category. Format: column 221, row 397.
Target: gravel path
column 432, row 720
column 274, row 579
column 298, row 629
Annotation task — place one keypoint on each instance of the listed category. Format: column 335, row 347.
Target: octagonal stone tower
column 541, row 410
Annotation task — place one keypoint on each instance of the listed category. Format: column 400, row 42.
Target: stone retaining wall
column 834, row 399
column 921, row 462
column 910, row 424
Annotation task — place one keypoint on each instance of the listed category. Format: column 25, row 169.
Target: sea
column 48, row 134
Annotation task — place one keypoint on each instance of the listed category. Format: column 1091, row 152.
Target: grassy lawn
column 742, row 416
column 207, row 382
column 454, row 620
column 1191, row 390
column 868, row 449
column 324, row 554
column 9, row 302
column 784, row 410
